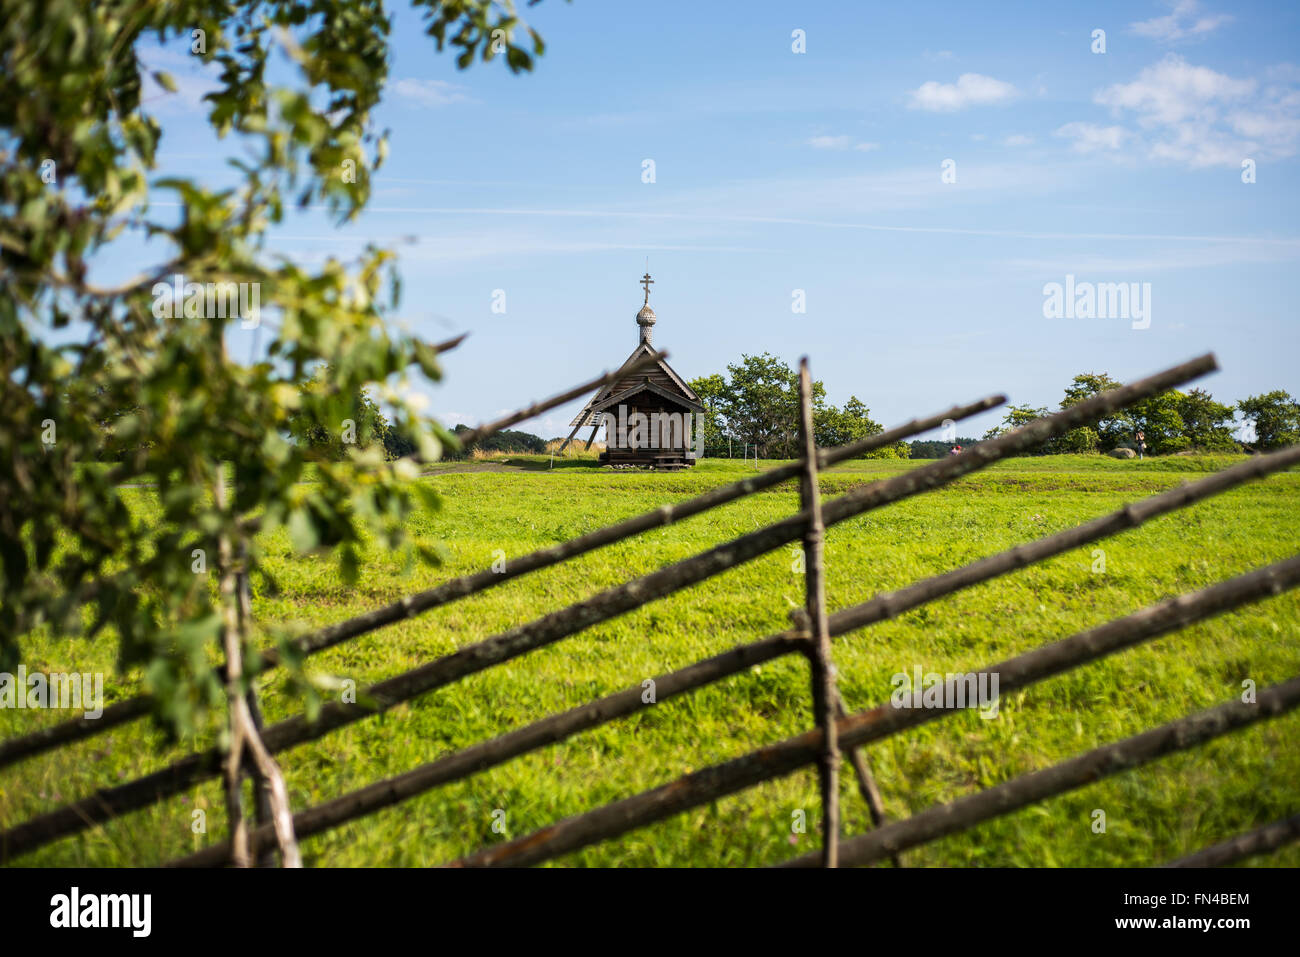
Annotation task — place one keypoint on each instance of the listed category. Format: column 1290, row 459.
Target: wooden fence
column 835, row 733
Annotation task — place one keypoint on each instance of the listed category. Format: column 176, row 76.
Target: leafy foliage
column 712, row 389
column 77, row 149
column 1018, row 416
column 1171, row 422
column 356, row 418
column 1276, row 416
column 507, row 440
column 1207, row 424
column 935, row 449
column 757, row 403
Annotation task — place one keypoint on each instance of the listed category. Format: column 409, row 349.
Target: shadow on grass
column 543, row 463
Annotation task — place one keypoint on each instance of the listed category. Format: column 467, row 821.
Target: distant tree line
column 397, row 444
column 756, row 403
column 1172, row 421
column 507, row 440
column 362, row 424
column 935, row 449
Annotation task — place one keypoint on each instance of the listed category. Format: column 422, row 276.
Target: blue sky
column 820, row 171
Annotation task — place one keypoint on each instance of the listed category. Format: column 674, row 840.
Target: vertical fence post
column 261, row 786
column 825, row 694
column 233, row 762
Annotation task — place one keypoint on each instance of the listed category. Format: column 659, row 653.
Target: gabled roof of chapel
column 622, row 388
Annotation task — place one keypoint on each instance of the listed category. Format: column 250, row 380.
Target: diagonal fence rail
column 834, row 733
column 874, row 724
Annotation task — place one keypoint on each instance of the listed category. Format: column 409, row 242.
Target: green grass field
column 1153, row 814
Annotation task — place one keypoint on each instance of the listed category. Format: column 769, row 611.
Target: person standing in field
column 1142, row 444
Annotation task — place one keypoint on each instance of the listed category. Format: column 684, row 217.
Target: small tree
column 834, row 427
column 761, row 404
column 1015, row 417
column 1158, row 418
column 712, row 390
column 1080, row 441
column 1276, row 417
column 1207, row 424
column 361, row 423
column 1111, row 431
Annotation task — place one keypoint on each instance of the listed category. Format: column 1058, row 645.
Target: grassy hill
column 519, row 503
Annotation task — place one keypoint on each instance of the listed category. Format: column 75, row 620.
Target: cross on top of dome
column 646, row 317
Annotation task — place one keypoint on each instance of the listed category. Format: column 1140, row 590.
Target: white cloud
column 1173, row 91
column 841, row 143
column 431, row 92
column 1184, row 21
column 1089, row 137
column 830, row 142
column 1263, row 126
column 1018, row 139
column 971, row 89
column 1196, row 116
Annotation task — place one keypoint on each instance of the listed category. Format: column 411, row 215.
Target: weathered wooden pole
column 234, row 755
column 129, row 709
column 577, row 392
column 487, row 754
column 1259, row 841
column 866, row 782
column 565, row 444
column 873, row 724
column 111, row 802
column 261, row 786
column 558, row 727
column 824, row 693
column 943, row 819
